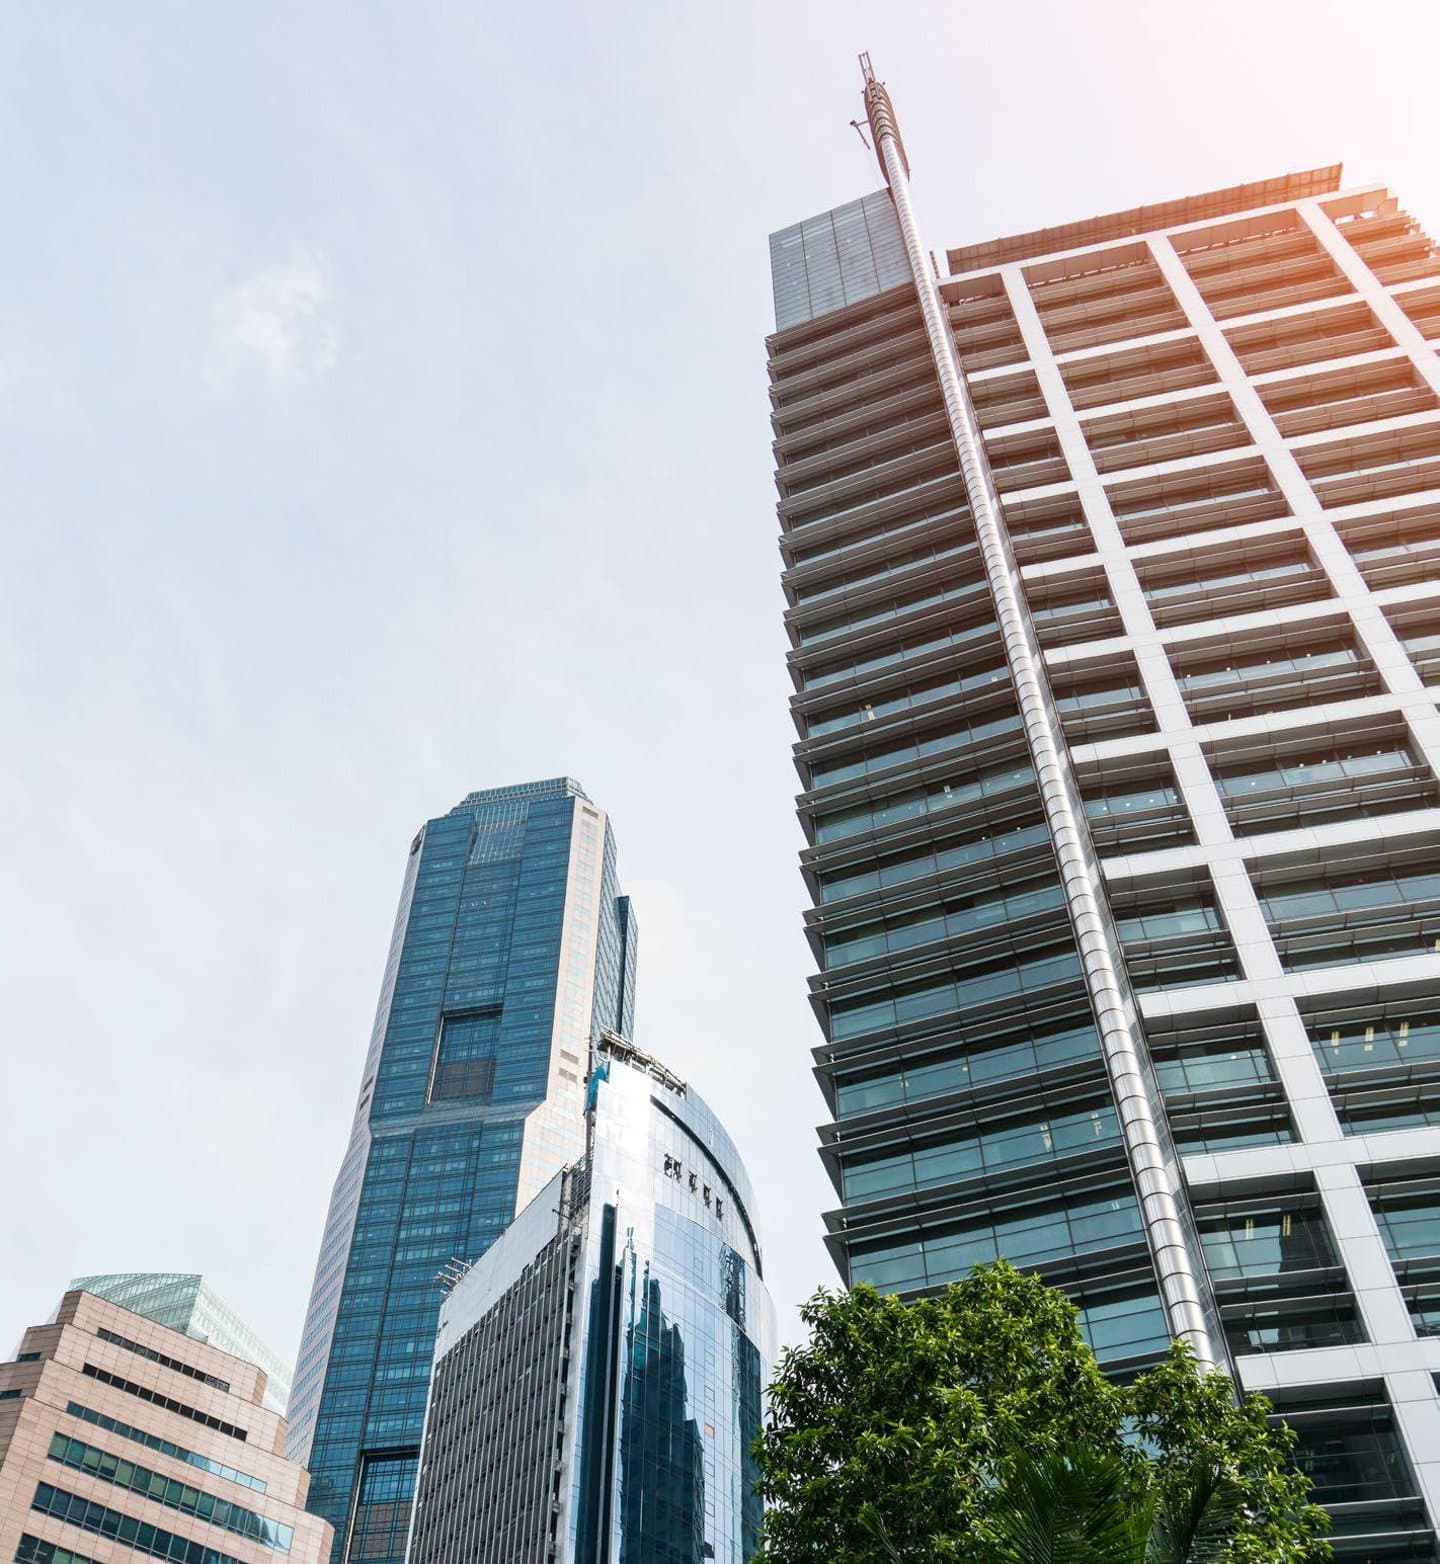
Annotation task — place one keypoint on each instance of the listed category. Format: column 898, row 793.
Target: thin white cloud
column 278, row 325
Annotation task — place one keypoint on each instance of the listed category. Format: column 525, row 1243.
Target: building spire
column 1169, row 1231
column 880, row 111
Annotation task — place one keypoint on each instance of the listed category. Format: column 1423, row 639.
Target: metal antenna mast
column 1152, row 1158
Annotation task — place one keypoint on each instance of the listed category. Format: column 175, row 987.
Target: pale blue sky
column 382, row 416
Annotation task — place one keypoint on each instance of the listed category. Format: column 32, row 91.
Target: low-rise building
column 186, row 1302
column 122, row 1437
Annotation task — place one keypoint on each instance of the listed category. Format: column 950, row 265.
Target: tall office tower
column 186, row 1302
column 598, row 1374
column 121, row 1437
column 1113, row 560
column 512, row 949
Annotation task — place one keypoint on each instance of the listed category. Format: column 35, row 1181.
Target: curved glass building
column 598, row 1373
column 1112, row 555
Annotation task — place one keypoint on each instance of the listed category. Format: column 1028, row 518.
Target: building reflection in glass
column 662, row 1461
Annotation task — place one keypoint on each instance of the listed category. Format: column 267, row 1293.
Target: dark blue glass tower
column 512, row 948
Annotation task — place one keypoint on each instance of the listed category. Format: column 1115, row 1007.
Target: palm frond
column 1194, row 1522
column 1069, row 1508
column 871, row 1521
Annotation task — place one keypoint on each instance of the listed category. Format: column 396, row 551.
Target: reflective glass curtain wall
column 512, row 949
column 598, row 1375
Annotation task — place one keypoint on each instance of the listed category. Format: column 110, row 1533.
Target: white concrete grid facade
column 1338, row 1162
column 1225, row 419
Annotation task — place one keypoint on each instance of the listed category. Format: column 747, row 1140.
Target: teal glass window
column 100, row 1521
column 465, row 1057
column 164, row 1446
column 982, row 1150
column 105, row 1466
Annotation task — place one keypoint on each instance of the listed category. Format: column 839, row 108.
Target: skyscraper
column 598, row 1374
column 512, row 948
column 1112, row 554
column 186, row 1302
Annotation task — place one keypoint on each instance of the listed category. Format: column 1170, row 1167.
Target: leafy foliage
column 930, row 1430
column 1082, row 1508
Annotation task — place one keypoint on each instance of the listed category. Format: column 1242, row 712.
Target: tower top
column 880, row 111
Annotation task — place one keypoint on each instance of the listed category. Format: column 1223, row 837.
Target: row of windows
column 169, row 1491
column 904, row 651
column 1307, row 770
column 1212, row 1066
column 921, row 747
column 1373, row 1044
column 949, row 921
column 918, row 1079
column 922, row 438
column 1349, row 912
column 925, row 1001
column 1128, row 1328
column 144, row 1393
column 1248, row 1240
column 1175, row 938
column 918, row 478
column 95, row 1518
column 1248, row 681
column 1108, row 703
column 947, row 859
column 32, row 1550
column 926, row 693
column 1408, row 1214
column 927, row 517
column 899, row 607
column 1208, row 1127
column 1224, row 587
column 165, row 1447
column 1368, row 771
column 913, row 803
column 1270, row 792
column 160, row 1357
column 1353, row 914
column 1053, row 1233
column 1292, row 1324
column 1349, row 1448
column 1144, row 817
column 987, row 1151
column 929, row 552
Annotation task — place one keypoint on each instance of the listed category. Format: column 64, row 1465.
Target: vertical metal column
column 1152, row 1161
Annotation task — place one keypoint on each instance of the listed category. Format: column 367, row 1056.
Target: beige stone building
column 121, row 1437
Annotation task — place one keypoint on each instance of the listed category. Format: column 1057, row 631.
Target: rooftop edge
column 1144, row 219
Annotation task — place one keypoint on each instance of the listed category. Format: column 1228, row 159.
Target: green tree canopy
column 922, row 1431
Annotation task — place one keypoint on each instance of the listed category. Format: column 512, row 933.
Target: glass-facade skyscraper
column 1112, row 554
column 512, row 949
column 598, row 1374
